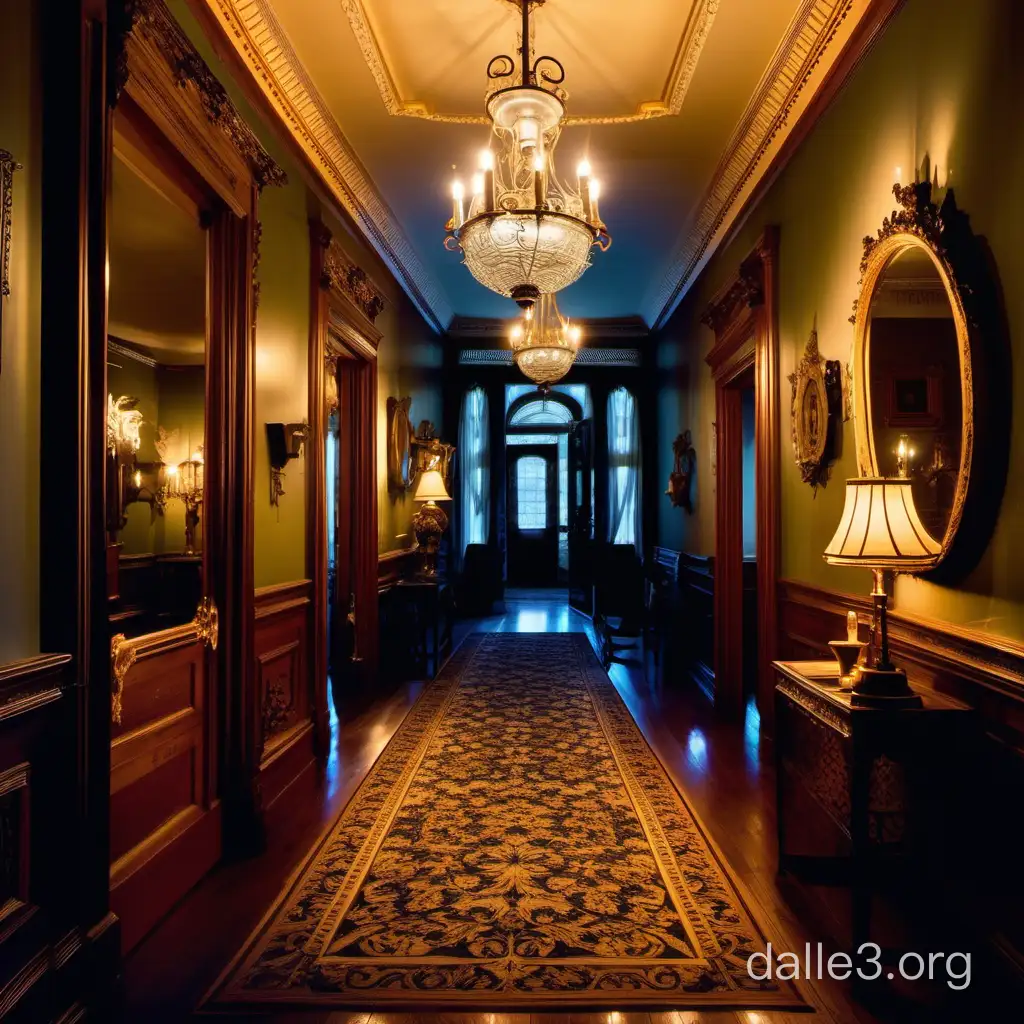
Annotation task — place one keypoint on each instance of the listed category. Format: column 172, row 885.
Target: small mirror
column 915, row 379
column 156, row 422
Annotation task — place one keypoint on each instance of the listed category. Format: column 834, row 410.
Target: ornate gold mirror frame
column 8, row 165
column 962, row 262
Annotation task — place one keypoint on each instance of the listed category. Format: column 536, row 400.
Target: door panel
column 581, row 505
column 164, row 823
column 533, row 515
column 164, row 813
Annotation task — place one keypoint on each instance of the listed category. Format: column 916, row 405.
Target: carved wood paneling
column 164, row 820
column 37, row 801
column 285, row 687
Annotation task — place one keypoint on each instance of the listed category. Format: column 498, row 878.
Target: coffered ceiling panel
column 680, row 106
column 429, row 58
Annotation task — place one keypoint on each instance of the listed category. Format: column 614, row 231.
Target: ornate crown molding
column 152, row 22
column 342, row 275
column 254, row 32
column 695, row 34
column 764, row 125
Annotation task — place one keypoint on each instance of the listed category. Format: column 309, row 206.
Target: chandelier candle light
column 544, row 343
column 525, row 232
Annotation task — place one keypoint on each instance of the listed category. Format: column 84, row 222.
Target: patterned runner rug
column 517, row 845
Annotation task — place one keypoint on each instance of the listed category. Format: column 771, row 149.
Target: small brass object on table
column 848, row 653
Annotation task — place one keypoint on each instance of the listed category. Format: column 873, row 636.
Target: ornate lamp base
column 884, row 688
column 428, row 523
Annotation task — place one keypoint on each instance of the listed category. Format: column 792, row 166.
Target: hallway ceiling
column 680, row 104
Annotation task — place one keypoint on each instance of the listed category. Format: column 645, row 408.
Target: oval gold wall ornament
column 931, row 358
column 817, row 412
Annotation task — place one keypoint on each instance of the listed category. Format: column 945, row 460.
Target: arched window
column 624, row 521
column 540, row 412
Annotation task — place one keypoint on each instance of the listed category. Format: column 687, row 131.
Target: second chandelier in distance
column 544, row 343
column 524, row 232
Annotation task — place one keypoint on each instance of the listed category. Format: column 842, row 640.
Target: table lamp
column 881, row 530
column 430, row 522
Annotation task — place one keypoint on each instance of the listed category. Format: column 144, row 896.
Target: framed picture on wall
column 915, row 400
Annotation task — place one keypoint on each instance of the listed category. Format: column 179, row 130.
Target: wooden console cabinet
column 867, row 798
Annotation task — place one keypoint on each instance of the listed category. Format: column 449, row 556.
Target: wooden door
column 581, row 516
column 533, row 514
column 165, row 815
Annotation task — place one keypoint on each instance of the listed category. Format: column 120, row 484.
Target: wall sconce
column 284, row 441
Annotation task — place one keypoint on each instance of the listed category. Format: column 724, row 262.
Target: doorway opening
column 165, row 816
column 549, row 489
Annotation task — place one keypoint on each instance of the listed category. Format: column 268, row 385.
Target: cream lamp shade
column 881, row 529
column 430, row 487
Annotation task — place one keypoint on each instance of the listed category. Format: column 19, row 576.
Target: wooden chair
column 620, row 605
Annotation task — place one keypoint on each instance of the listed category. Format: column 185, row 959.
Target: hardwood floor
column 725, row 773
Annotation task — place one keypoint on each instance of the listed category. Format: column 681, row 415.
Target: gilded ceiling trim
column 695, row 35
column 254, row 32
column 765, row 121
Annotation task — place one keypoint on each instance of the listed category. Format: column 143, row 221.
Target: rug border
column 577, row 1002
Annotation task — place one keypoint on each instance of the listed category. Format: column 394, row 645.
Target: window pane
column 531, row 493
column 532, row 438
column 540, row 412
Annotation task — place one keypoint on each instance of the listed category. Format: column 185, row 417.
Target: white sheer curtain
column 624, row 524
column 474, row 459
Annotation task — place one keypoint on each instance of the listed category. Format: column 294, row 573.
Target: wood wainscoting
column 289, row 711
column 987, row 673
column 683, row 610
column 54, row 962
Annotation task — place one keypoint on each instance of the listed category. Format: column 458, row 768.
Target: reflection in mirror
column 156, row 379
column 914, row 371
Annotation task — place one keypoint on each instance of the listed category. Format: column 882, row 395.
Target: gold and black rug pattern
column 517, row 843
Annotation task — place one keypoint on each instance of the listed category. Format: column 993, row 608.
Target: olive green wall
column 943, row 85
column 20, row 134
column 409, row 357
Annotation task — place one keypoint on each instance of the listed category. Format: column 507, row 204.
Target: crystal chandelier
column 525, row 233
column 544, row 343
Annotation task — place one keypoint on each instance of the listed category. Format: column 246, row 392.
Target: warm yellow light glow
column 574, row 334
column 583, row 169
column 486, row 160
column 538, row 162
column 898, row 175
column 595, row 190
column 137, row 479
column 197, row 456
column 172, row 470
column 478, row 184
column 458, row 191
column 881, row 528
column 528, row 315
column 517, row 332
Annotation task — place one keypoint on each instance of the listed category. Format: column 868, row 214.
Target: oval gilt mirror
column 926, row 339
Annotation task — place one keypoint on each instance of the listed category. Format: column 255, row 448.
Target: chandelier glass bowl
column 544, row 343
column 524, row 232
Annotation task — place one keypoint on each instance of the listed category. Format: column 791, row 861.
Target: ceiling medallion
column 544, row 343
column 525, row 233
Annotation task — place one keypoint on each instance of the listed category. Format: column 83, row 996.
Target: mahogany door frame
column 178, row 109
column 744, row 317
column 343, row 306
